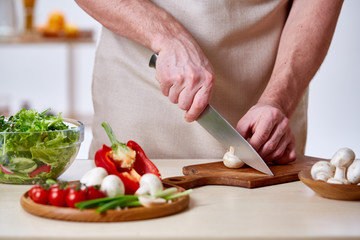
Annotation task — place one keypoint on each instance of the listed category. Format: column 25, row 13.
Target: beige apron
column 240, row 38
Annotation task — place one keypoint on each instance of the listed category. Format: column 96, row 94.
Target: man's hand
column 186, row 77
column 269, row 133
column 182, row 69
column 304, row 42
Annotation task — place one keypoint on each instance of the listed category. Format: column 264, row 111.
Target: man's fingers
column 174, row 93
column 186, row 98
column 185, row 76
column 288, row 156
column 198, row 105
column 262, row 132
column 280, row 149
column 244, row 127
column 268, row 132
column 278, row 140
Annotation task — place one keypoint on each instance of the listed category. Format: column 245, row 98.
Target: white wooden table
column 284, row 211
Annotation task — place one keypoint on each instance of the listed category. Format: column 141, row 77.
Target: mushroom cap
column 112, row 186
column 94, row 176
column 322, row 170
column 149, row 184
column 353, row 172
column 343, row 158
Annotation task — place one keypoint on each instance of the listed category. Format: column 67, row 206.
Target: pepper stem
column 111, row 135
column 122, row 154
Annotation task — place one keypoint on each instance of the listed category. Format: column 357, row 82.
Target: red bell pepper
column 6, row 170
column 142, row 164
column 44, row 168
column 127, row 161
column 103, row 159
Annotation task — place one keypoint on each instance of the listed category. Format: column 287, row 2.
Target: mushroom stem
column 232, row 150
column 341, row 160
column 149, row 184
column 340, row 173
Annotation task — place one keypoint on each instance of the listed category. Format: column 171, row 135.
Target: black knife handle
column 153, row 59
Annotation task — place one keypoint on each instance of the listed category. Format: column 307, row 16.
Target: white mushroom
column 112, row 186
column 353, row 172
column 149, row 184
column 94, row 176
column 148, row 201
column 341, row 160
column 230, row 160
column 322, row 170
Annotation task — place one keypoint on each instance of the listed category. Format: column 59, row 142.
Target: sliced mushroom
column 148, row 201
column 230, row 160
column 322, row 170
column 353, row 172
column 341, row 160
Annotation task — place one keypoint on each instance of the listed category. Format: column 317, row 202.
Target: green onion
column 178, row 195
column 103, row 204
column 102, row 201
column 110, row 205
column 118, row 203
column 133, row 204
column 165, row 192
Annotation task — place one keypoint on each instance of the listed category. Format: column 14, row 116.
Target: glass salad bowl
column 26, row 157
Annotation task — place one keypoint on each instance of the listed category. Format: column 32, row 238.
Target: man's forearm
column 184, row 73
column 138, row 20
column 303, row 46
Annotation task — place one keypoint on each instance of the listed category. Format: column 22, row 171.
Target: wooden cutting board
column 215, row 173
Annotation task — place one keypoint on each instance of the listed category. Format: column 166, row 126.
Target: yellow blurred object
column 56, row 26
column 71, row 30
column 56, row 21
column 29, row 6
column 29, row 3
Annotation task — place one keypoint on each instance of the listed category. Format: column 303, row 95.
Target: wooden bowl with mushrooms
column 338, row 178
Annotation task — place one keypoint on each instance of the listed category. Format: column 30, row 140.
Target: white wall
column 38, row 74
column 334, row 112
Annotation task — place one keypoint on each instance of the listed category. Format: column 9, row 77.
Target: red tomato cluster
column 59, row 196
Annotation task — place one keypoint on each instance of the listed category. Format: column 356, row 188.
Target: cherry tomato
column 57, row 196
column 94, row 193
column 39, row 194
column 74, row 195
column 32, row 190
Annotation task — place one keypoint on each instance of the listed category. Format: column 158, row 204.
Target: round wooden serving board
column 89, row 215
column 330, row 190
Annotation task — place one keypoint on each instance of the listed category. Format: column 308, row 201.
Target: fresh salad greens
column 34, row 146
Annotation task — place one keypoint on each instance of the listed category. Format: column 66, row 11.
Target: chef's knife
column 223, row 132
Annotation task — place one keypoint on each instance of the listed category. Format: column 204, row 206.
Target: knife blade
column 226, row 135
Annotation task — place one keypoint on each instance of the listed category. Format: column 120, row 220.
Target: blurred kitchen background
column 54, row 69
